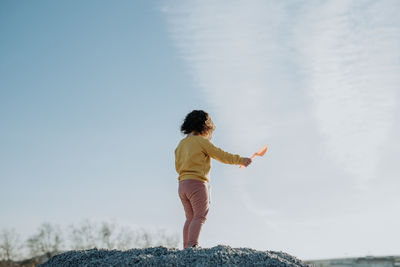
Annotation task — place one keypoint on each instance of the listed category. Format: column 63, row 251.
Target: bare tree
column 145, row 239
column 10, row 245
column 166, row 240
column 83, row 236
column 114, row 236
column 47, row 241
column 124, row 238
column 111, row 235
column 106, row 234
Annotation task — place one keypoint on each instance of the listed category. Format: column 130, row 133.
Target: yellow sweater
column 193, row 158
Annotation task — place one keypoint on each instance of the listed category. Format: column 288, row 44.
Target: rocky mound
column 161, row 256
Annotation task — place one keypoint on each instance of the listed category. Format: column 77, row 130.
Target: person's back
column 190, row 160
column 193, row 158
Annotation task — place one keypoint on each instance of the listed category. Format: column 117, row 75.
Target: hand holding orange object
column 246, row 162
column 260, row 153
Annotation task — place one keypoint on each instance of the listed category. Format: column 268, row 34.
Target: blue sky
column 92, row 95
column 91, row 102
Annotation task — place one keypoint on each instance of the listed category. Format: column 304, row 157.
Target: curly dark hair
column 197, row 121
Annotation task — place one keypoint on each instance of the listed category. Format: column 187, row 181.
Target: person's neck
column 197, row 134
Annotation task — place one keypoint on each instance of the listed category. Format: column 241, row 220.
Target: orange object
column 260, row 153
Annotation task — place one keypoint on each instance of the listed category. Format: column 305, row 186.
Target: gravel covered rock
column 161, row 256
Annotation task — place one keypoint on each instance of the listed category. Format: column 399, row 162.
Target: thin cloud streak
column 221, row 44
column 240, row 68
column 316, row 80
column 350, row 51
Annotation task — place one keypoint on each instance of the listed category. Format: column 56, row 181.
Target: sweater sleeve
column 219, row 154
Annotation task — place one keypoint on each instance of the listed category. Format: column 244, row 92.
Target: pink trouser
column 194, row 197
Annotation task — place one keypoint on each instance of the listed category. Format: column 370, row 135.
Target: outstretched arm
column 223, row 156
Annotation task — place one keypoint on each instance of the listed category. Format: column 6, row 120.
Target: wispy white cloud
column 350, row 55
column 317, row 80
column 232, row 59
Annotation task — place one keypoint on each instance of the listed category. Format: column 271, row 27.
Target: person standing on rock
column 193, row 162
